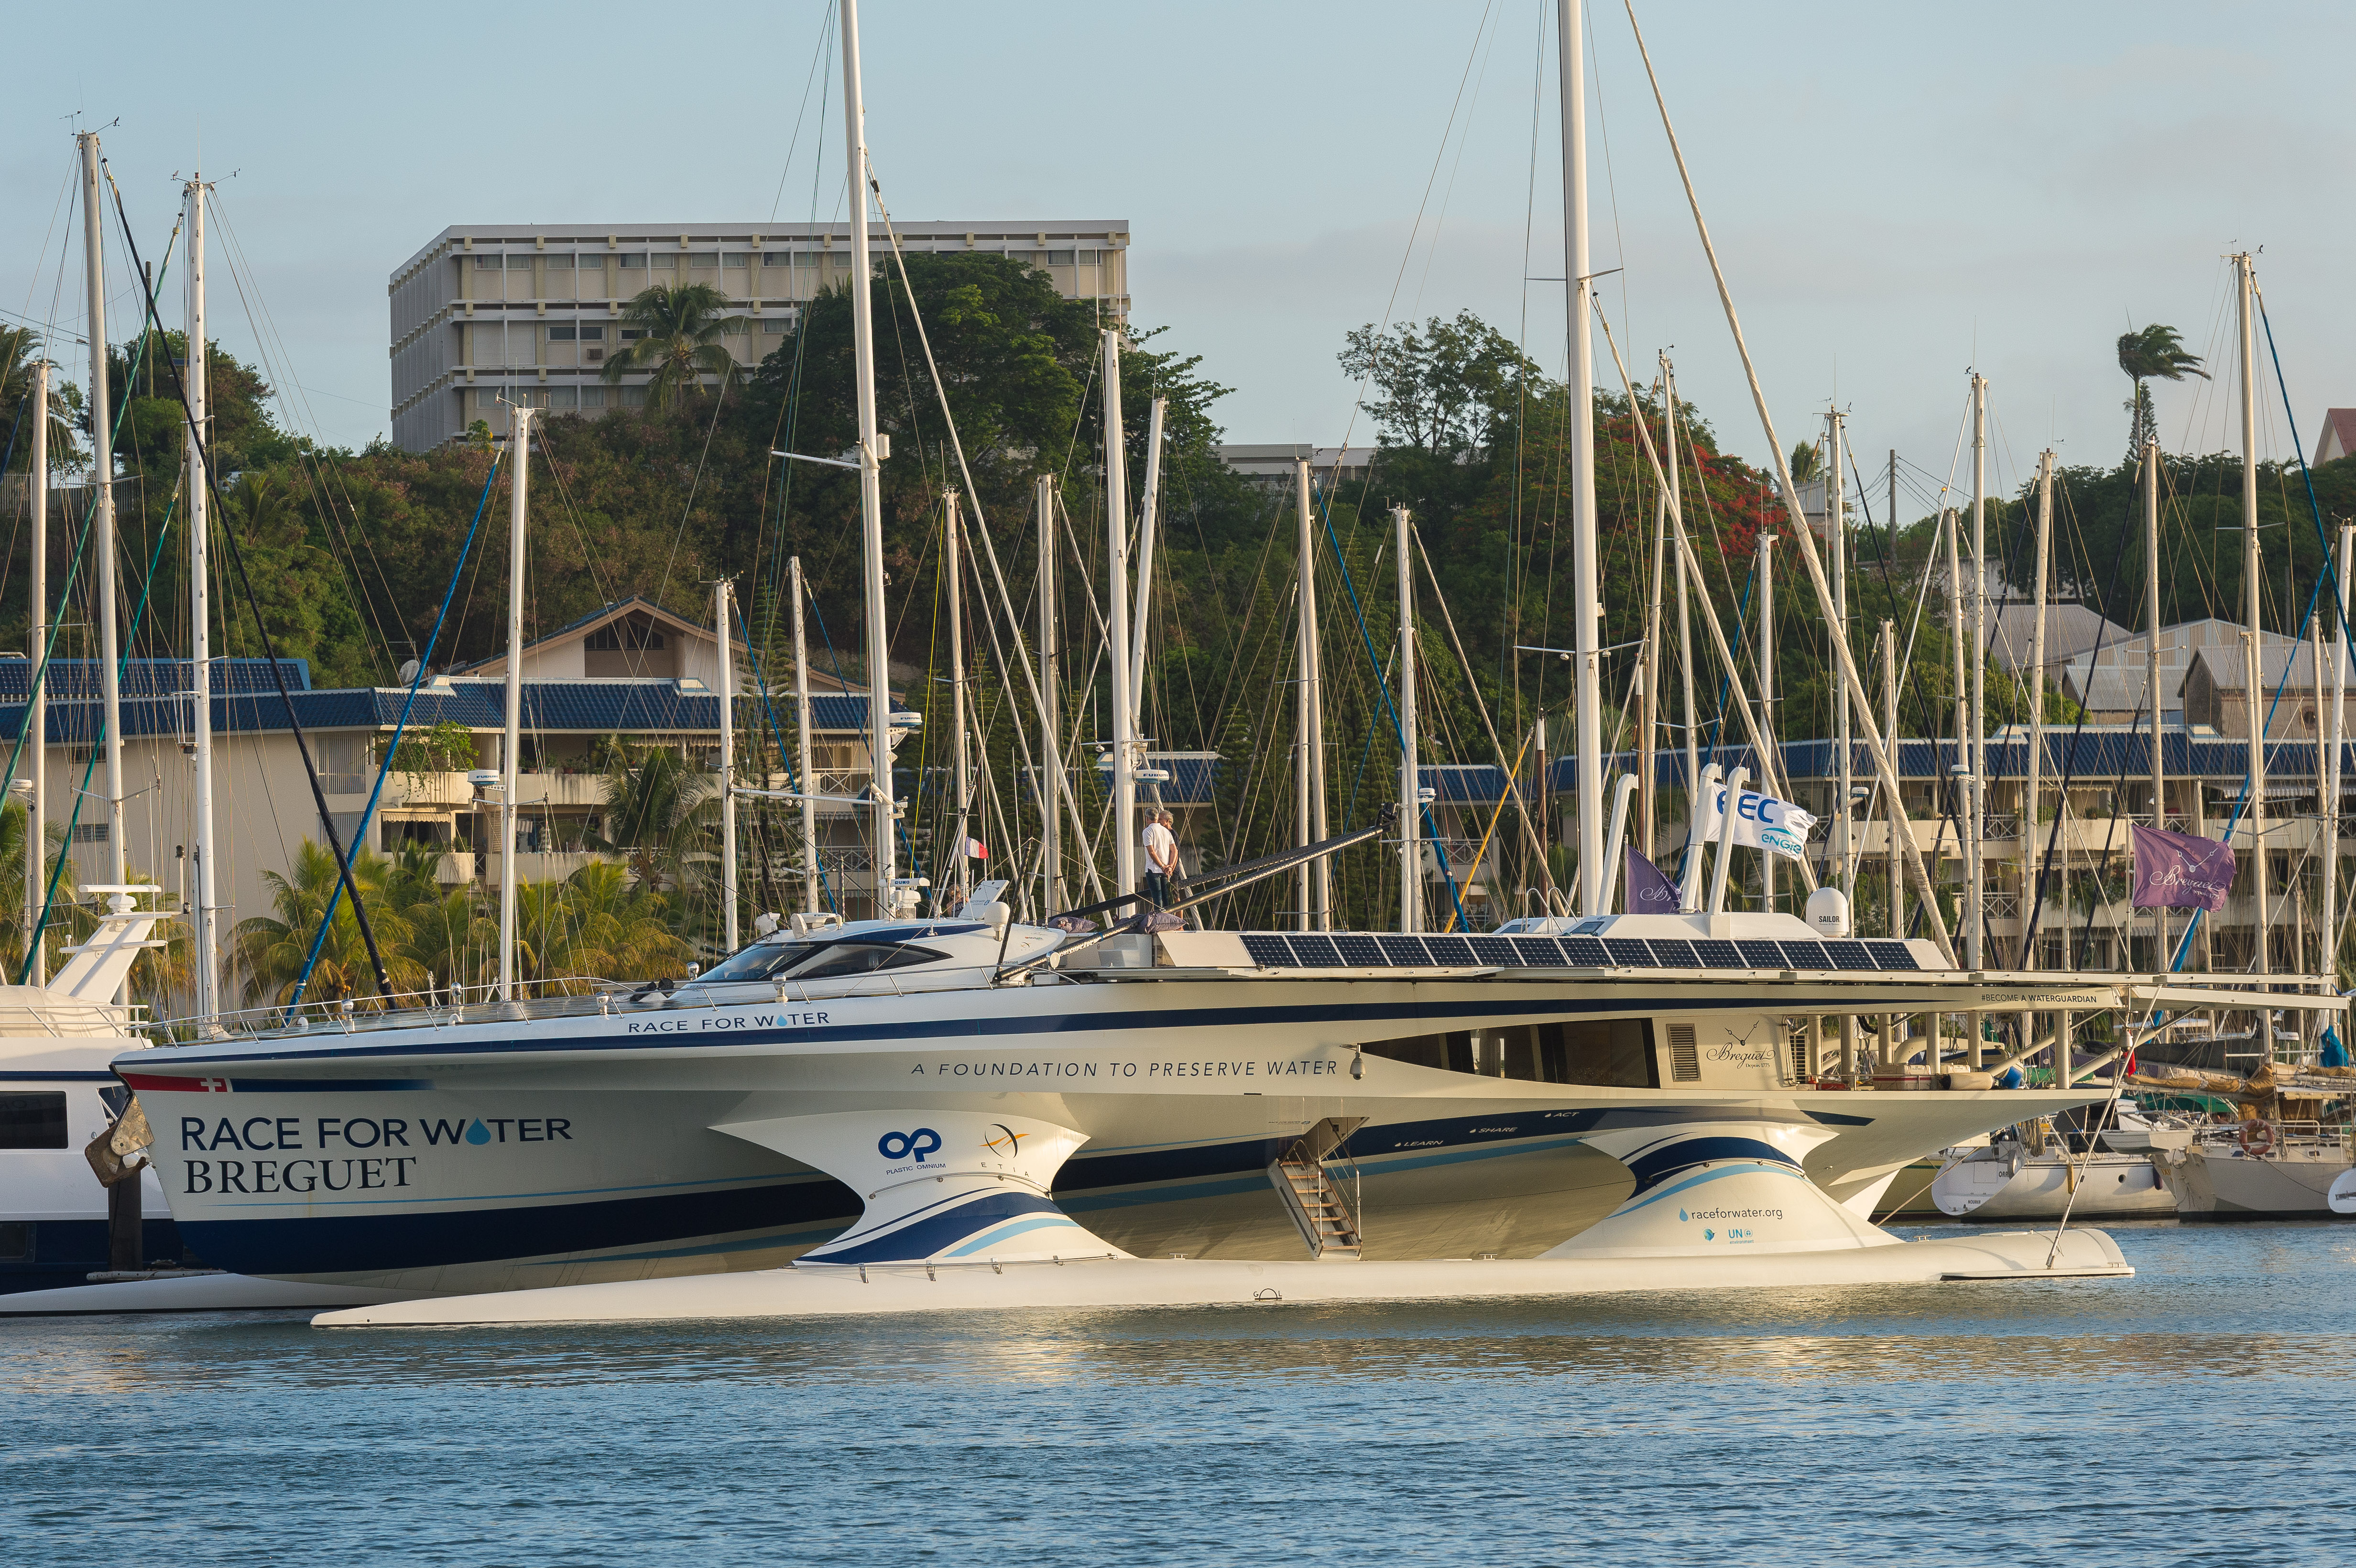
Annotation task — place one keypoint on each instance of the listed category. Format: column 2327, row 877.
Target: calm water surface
column 2197, row 1414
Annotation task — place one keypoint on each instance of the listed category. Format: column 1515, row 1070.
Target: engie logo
column 908, row 1146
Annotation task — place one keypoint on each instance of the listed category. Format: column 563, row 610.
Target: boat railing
column 2307, row 1137
column 444, row 1007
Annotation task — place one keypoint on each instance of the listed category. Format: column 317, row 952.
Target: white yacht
column 1217, row 1094
column 2034, row 1170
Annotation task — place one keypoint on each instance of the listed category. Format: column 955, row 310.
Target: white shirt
column 1160, row 847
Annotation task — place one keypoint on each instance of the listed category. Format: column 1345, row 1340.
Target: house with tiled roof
column 2337, row 438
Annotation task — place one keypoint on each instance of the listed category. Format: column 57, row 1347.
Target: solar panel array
column 1316, row 950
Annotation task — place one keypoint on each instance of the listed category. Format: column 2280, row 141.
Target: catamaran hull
column 474, row 1158
column 2291, row 1184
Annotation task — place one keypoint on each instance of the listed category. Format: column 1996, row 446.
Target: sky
column 1898, row 194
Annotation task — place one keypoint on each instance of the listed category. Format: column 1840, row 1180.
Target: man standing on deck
column 1161, row 857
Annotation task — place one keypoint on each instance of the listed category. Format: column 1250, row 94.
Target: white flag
column 1760, row 821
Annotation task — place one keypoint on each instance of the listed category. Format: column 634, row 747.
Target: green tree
column 658, row 812
column 682, row 328
column 2154, row 353
column 21, row 348
column 270, row 950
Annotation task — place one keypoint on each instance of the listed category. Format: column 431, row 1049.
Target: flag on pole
column 975, row 849
column 2180, row 870
column 1760, row 822
column 1649, row 893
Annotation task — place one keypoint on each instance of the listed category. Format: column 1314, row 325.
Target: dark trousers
column 1155, row 885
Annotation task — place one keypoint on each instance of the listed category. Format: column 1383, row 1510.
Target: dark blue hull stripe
column 936, row 1232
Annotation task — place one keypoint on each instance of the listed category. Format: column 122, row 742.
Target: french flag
column 975, row 849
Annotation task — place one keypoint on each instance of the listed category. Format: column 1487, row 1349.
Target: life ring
column 2257, row 1139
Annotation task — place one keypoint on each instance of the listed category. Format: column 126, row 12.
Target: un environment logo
column 905, row 1145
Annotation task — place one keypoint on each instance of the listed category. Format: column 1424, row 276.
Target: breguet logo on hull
column 338, row 1154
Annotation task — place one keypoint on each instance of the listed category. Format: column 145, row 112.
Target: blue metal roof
column 590, row 707
column 70, row 679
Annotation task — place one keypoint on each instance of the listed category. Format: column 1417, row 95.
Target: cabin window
column 847, row 958
column 15, row 1240
column 1610, row 1053
column 33, row 1120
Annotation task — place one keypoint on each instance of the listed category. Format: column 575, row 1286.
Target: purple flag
column 2177, row 870
column 1649, row 893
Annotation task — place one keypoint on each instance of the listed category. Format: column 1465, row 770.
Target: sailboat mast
column 802, row 743
column 101, row 469
column 2159, row 959
column 1836, row 535
column 960, row 761
column 2334, row 738
column 512, row 742
column 1894, row 810
column 208, row 910
column 1148, row 517
column 1976, row 893
column 1648, row 693
column 1766, row 698
column 1309, row 729
column 2253, row 665
column 1410, row 771
column 1685, row 877
column 883, row 813
column 1587, row 734
column 2031, row 786
column 1124, row 722
column 36, row 717
column 721, row 623
column 1051, row 740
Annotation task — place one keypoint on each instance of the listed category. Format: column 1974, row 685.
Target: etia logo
column 908, row 1146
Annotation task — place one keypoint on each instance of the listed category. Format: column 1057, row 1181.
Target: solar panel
column 1628, row 952
column 1452, row 952
column 1805, row 954
column 1717, row 954
column 1366, row 953
column 1761, row 954
column 1496, row 950
column 1404, row 952
column 1267, row 948
column 1315, row 951
column 1539, row 951
column 1674, row 953
column 1849, row 954
column 1586, row 952
column 1892, row 955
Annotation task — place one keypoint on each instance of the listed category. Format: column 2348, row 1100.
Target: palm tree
column 618, row 930
column 682, row 330
column 67, row 921
column 272, row 952
column 20, row 350
column 2156, row 353
column 658, row 812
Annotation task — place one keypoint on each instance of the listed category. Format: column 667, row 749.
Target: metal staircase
column 1312, row 1190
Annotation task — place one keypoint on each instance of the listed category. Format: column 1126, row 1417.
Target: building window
column 592, row 334
column 703, row 258
column 488, row 398
column 736, row 259
column 634, row 397
column 776, row 258
column 1091, row 258
column 489, row 261
column 633, row 262
column 91, row 832
column 561, row 334
column 593, row 397
column 563, row 397
column 559, row 261
column 775, row 325
column 632, row 334
column 1059, row 257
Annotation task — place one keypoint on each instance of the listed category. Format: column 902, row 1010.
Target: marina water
column 2182, row 1416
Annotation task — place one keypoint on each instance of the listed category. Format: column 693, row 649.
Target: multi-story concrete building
column 534, row 309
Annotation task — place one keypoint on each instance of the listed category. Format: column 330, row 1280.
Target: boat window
column 33, row 1120
column 843, row 958
column 760, row 961
column 1612, row 1054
